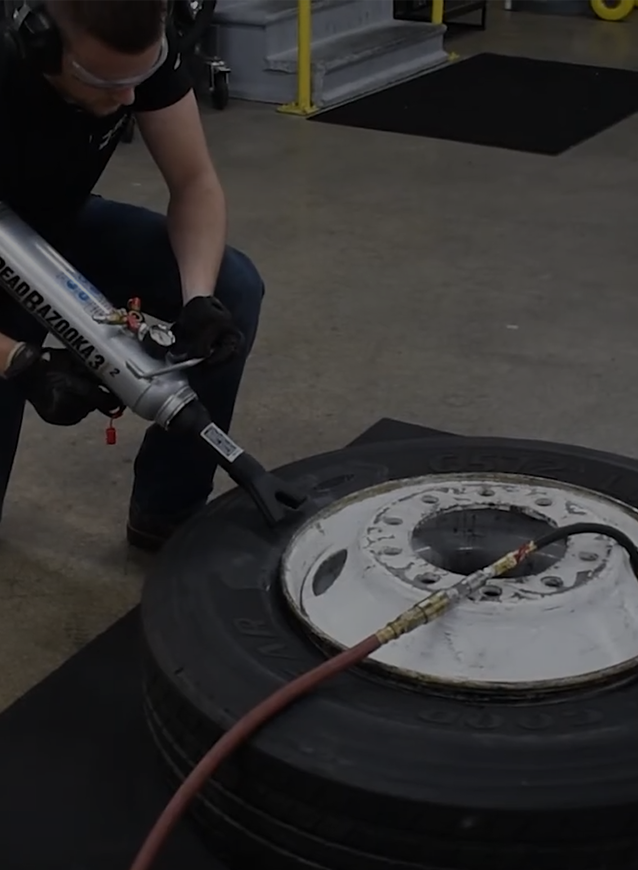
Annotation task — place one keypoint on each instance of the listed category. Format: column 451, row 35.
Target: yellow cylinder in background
column 615, row 10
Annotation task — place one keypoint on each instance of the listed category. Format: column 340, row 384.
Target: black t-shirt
column 53, row 153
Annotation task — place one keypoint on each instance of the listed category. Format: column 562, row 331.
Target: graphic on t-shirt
column 107, row 137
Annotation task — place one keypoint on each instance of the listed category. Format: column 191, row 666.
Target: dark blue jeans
column 124, row 251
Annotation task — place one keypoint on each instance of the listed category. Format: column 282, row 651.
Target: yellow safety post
column 437, row 18
column 303, row 104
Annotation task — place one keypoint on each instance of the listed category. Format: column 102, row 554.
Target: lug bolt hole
column 391, row 551
column 328, row 571
column 492, row 592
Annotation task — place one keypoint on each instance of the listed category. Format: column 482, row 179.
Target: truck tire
column 367, row 773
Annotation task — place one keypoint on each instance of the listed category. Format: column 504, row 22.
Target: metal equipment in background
column 193, row 20
column 198, row 34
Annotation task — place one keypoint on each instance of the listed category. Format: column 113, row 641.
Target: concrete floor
column 471, row 289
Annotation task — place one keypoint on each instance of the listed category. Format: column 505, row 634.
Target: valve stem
column 438, row 603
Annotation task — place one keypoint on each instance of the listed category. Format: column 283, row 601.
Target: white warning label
column 222, row 443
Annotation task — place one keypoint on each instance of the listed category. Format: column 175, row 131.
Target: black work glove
column 205, row 330
column 60, row 388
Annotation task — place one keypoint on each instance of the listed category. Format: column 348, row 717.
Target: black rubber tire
column 366, row 774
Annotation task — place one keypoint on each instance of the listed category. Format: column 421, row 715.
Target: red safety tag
column 111, row 432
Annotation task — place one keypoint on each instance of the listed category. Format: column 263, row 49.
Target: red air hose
column 241, row 731
column 419, row 614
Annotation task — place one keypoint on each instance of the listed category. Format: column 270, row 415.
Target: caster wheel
column 219, row 93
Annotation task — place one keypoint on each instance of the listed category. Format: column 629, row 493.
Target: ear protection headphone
column 33, row 36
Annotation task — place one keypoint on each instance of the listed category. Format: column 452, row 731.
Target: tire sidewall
column 216, row 625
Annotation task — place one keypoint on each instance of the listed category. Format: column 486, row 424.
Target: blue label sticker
column 85, row 293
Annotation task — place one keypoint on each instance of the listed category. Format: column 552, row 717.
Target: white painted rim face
column 569, row 618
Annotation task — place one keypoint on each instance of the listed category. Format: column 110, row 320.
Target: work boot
column 150, row 533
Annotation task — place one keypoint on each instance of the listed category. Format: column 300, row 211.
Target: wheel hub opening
column 464, row 540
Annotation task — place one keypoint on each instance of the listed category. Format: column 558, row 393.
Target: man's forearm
column 197, row 229
column 7, row 347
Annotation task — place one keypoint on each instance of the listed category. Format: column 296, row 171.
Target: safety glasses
column 88, row 78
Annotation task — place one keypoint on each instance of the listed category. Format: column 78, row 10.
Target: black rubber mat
column 518, row 103
column 79, row 784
